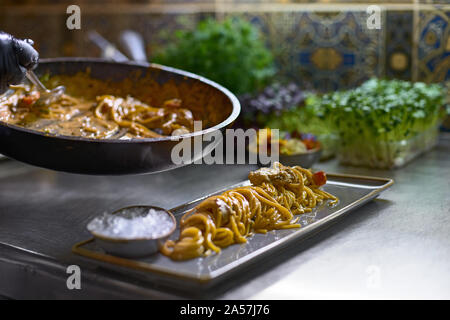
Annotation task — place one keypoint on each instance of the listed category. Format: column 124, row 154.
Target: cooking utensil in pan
column 47, row 96
column 215, row 105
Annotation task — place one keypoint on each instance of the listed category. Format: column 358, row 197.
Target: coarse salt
column 134, row 224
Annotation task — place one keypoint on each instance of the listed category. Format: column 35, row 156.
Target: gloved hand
column 16, row 57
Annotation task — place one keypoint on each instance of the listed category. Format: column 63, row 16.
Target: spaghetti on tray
column 276, row 195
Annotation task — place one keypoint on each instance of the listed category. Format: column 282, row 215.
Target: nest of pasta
column 273, row 201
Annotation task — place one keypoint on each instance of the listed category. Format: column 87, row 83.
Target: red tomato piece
column 31, row 98
column 309, row 143
column 319, row 178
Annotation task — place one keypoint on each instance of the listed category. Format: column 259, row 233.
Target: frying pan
column 213, row 104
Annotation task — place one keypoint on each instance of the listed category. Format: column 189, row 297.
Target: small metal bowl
column 133, row 247
column 305, row 160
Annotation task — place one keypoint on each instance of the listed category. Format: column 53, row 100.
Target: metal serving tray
column 352, row 191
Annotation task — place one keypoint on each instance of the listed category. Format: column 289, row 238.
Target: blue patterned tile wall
column 433, row 49
column 336, row 50
column 399, row 44
column 325, row 50
column 321, row 47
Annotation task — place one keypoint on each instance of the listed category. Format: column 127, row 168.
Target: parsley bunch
column 231, row 52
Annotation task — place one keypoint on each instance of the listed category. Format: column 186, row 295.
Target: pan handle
column 109, row 51
column 133, row 44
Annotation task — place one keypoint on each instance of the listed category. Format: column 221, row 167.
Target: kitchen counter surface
column 397, row 246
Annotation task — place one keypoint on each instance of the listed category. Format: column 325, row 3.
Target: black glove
column 16, row 57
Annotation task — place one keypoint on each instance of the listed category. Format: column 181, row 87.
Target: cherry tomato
column 319, row 178
column 309, row 143
column 31, row 98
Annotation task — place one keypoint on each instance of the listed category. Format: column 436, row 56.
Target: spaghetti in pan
column 102, row 118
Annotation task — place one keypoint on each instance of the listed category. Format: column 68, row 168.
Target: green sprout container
column 386, row 153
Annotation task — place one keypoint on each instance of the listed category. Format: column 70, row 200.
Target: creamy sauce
column 102, row 118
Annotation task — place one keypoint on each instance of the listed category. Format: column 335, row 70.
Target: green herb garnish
column 231, row 53
column 384, row 123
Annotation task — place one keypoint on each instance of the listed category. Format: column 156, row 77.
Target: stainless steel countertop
column 397, row 246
